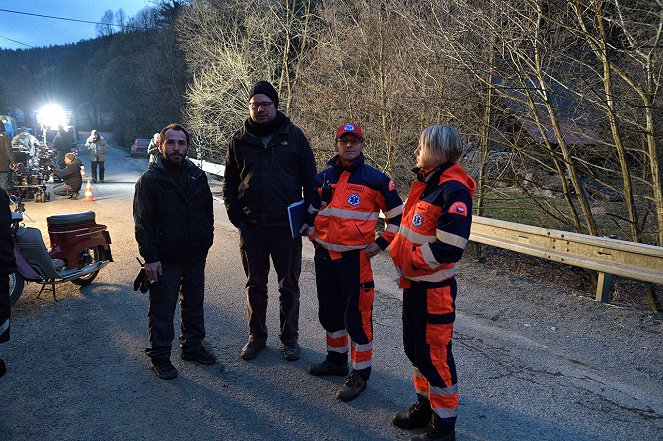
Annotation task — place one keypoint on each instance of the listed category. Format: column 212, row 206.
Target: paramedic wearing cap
column 349, row 197
column 269, row 164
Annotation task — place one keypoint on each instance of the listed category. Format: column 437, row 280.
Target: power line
column 7, row 38
column 69, row 19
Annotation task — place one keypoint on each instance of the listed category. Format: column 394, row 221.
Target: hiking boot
column 73, row 196
column 251, row 349
column 3, row 367
column 163, row 368
column 438, row 430
column 354, row 385
column 418, row 416
column 291, row 351
column 328, row 368
column 94, row 180
column 200, row 355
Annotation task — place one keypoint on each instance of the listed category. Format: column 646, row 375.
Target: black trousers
column 100, row 164
column 5, row 310
column 185, row 281
column 345, row 296
column 257, row 244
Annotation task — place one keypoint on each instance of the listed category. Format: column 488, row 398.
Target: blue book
column 296, row 217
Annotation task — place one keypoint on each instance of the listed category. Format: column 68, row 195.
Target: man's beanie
column 265, row 88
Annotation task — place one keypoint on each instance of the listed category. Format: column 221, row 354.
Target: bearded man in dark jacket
column 268, row 165
column 174, row 221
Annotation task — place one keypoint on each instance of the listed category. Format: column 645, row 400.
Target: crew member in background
column 349, row 197
column 8, row 128
column 174, row 220
column 62, row 144
column 434, row 232
column 268, row 164
column 97, row 146
column 7, row 159
column 71, row 177
column 7, row 266
column 25, row 142
column 153, row 149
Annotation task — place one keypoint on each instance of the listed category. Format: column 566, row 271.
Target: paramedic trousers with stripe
column 345, row 295
column 428, row 318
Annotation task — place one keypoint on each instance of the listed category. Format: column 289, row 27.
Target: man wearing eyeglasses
column 350, row 195
column 269, row 164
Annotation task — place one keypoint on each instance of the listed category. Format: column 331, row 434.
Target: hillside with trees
column 129, row 80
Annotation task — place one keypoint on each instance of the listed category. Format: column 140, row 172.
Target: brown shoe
column 354, row 385
column 163, row 368
column 251, row 349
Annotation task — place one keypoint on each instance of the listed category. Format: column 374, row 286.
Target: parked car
column 139, row 146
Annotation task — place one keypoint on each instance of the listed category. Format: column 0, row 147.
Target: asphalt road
column 535, row 362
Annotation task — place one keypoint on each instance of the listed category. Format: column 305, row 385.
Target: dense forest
column 558, row 100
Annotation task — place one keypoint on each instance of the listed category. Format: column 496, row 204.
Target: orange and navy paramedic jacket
column 436, row 225
column 348, row 222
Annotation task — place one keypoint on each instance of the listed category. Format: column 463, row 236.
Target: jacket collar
column 425, row 175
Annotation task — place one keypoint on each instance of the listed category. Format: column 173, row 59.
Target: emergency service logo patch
column 349, row 127
column 458, row 208
column 392, row 186
column 417, row 220
column 354, row 198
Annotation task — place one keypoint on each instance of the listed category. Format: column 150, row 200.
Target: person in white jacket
column 153, row 149
column 97, row 146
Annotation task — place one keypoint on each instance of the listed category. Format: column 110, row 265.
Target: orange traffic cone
column 83, row 172
column 88, row 192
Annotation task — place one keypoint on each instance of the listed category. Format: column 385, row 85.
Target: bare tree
column 105, row 26
column 231, row 44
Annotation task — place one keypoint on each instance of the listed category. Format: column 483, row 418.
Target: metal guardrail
column 607, row 256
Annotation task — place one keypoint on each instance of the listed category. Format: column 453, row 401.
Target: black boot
column 438, row 430
column 418, row 416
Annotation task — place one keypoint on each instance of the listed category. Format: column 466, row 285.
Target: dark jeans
column 101, row 170
column 61, row 189
column 257, row 244
column 185, row 281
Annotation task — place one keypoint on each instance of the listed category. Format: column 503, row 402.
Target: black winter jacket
column 71, row 175
column 260, row 182
column 172, row 226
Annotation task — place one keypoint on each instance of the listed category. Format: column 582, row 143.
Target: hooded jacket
column 435, row 227
column 173, row 224
column 71, row 175
column 97, row 148
column 261, row 181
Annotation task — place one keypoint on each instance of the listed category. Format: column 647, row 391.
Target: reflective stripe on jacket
column 436, row 225
column 359, row 193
